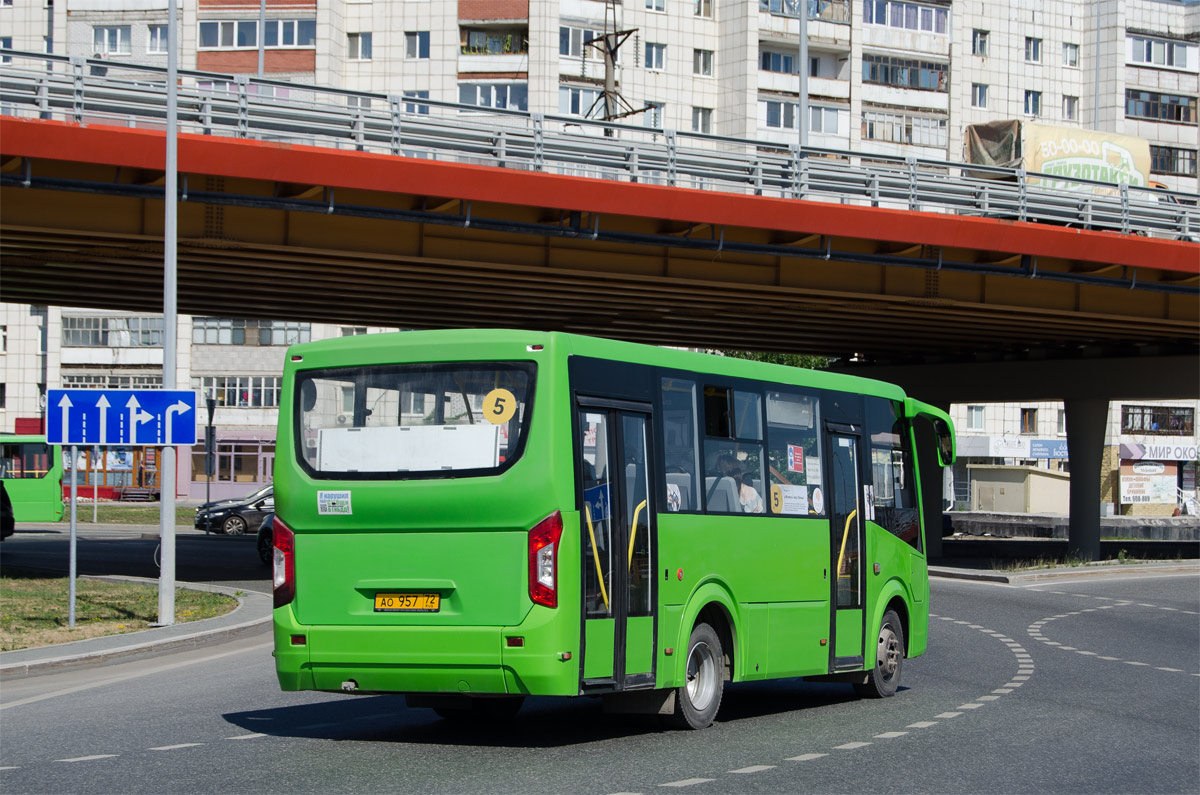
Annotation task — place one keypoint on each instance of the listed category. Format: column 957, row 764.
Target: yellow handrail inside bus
column 587, row 511
column 633, row 533
column 845, row 535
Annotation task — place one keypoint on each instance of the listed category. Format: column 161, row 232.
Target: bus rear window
column 24, row 460
column 413, row 420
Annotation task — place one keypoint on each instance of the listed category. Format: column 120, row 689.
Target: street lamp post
column 802, row 71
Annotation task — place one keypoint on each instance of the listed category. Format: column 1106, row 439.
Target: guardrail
column 97, row 91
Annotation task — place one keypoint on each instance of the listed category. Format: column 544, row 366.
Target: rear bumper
column 427, row 659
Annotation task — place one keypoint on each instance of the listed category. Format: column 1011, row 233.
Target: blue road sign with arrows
column 151, row 417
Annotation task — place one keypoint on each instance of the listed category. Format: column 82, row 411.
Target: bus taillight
column 284, row 541
column 543, row 560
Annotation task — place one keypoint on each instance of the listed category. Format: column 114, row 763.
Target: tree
column 807, row 361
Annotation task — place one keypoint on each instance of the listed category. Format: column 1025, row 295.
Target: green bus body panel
column 466, row 538
column 37, row 499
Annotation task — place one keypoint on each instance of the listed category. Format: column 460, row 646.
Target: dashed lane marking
column 175, row 747
column 11, row 767
column 922, row 724
column 91, row 758
column 246, row 736
column 1034, row 630
column 947, row 715
column 889, row 735
column 687, row 782
column 805, row 757
column 851, row 746
column 752, row 769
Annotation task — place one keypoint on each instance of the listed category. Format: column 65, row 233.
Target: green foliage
column 804, row 360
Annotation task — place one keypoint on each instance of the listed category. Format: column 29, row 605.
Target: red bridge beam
column 281, row 162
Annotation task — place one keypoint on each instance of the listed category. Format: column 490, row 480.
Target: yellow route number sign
column 776, row 499
column 499, row 406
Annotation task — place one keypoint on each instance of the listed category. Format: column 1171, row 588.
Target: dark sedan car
column 235, row 517
column 266, row 540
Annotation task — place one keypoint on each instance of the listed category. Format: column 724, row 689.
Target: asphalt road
column 1091, row 685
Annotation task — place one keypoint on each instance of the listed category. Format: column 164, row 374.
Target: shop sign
column 1148, row 482
column 1168, row 450
column 1048, row 448
column 1008, row 447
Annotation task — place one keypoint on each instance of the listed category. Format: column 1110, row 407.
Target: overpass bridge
column 305, row 202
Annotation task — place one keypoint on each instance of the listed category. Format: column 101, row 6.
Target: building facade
column 884, row 76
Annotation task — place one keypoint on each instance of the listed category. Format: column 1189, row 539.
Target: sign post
column 149, row 418
column 210, row 461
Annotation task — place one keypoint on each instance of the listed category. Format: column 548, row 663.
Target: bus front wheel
column 884, row 678
column 699, row 698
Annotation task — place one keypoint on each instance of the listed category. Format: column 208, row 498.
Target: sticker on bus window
column 789, row 500
column 333, row 503
column 818, row 501
column 795, row 458
column 499, row 406
column 674, row 497
column 813, row 464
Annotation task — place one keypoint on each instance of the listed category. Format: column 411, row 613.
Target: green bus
column 472, row 516
column 32, row 471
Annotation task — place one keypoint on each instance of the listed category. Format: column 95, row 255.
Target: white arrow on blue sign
column 150, row 417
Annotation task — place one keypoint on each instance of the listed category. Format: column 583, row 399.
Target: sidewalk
column 250, row 617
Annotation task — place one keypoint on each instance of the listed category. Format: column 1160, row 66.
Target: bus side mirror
column 943, row 428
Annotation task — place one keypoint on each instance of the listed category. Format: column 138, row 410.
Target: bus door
column 846, row 527
column 617, row 523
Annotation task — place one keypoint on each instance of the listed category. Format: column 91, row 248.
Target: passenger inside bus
column 730, row 477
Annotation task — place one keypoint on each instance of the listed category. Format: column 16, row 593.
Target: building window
column 1158, row 420
column 112, row 40
column 702, row 120
column 1070, row 54
column 1033, row 50
column 1159, row 107
column 112, row 332
column 574, row 43
column 358, row 46
column 909, row 16
column 780, row 62
column 823, row 120
column 495, row 95
column 290, row 33
column 6, row 43
column 703, row 8
column 975, row 418
column 1033, row 103
column 416, row 107
column 3, row 396
column 1062, row 422
column 573, row 101
column 158, row 40
column 241, row 391
column 353, row 331
column 656, row 56
column 781, row 115
column 236, row 331
column 702, row 62
column 978, row 95
column 416, row 44
column 905, row 73
column 494, row 41
column 1171, row 160
column 903, row 128
column 1071, row 108
column 1158, row 52
column 243, row 34
column 112, row 380
column 653, row 116
column 656, row 5
column 1029, row 421
column 3, row 339
column 979, row 42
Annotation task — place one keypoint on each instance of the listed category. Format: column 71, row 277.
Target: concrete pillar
column 931, row 486
column 1086, row 418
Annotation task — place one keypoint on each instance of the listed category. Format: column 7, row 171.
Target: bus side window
column 794, row 454
column 679, row 445
column 892, row 480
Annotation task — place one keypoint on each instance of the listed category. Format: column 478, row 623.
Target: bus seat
column 683, row 481
column 722, row 495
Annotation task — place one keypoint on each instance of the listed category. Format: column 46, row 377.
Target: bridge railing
column 99, row 91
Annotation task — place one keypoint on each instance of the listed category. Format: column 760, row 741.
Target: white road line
column 1002, row 690
column 890, row 735
column 805, row 757
column 970, row 706
column 11, row 767
column 246, row 737
column 850, row 746
column 687, row 782
column 945, row 715
column 922, row 724
column 1013, row 684
column 126, row 677
column 1172, row 670
column 987, row 698
column 174, row 747
column 752, row 769
column 1131, row 662
column 88, row 758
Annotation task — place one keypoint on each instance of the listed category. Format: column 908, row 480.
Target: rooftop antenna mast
column 610, row 100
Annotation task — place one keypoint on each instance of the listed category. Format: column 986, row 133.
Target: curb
column 967, row 574
column 136, row 651
column 988, row 575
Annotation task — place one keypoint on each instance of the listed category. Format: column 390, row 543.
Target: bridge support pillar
column 1086, row 419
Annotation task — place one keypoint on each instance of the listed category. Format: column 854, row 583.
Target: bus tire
column 699, row 698
column 884, row 677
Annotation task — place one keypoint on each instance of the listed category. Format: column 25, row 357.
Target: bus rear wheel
column 699, row 698
column 884, row 678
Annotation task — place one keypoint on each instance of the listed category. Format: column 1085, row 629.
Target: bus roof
column 473, row 345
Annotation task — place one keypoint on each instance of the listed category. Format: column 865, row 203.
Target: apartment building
column 883, row 76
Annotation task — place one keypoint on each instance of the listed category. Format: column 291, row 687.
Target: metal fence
column 35, row 85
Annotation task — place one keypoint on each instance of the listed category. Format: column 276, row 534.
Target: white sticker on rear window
column 333, row 503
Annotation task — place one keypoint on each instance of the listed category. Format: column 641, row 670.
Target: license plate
column 407, row 602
